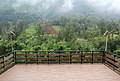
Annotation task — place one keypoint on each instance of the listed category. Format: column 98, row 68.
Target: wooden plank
column 112, row 62
column 110, row 56
column 8, row 57
column 42, row 54
column 8, row 62
column 20, row 54
column 31, row 54
column 53, row 54
column 61, row 54
column 9, row 66
column 20, row 58
column 110, row 65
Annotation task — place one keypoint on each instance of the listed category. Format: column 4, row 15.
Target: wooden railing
column 6, row 61
column 48, row 57
column 72, row 56
column 112, row 61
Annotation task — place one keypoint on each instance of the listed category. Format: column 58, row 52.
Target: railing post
column 114, row 57
column 4, row 63
column 114, row 60
column 70, row 58
column 14, row 53
column 92, row 57
column 103, row 57
column 81, row 57
column 37, row 57
column 48, row 57
column 59, row 57
column 26, row 57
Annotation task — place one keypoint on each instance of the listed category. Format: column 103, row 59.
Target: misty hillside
column 50, row 24
column 48, row 9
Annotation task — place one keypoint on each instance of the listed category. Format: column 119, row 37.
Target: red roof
column 50, row 30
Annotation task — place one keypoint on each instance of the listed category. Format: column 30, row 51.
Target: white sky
column 103, row 5
column 108, row 5
column 67, row 6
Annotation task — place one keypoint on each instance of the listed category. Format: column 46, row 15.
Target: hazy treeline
column 82, row 33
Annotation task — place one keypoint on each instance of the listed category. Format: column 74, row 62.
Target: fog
column 108, row 5
column 69, row 7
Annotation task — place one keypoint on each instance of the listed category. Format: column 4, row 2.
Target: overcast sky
column 102, row 7
column 108, row 5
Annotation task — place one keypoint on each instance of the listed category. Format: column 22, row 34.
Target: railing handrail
column 116, row 55
column 58, row 51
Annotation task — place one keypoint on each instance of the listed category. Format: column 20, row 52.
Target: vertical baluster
column 26, row 57
column 48, row 57
column 3, row 63
column 81, row 57
column 37, row 57
column 15, row 57
column 103, row 57
column 59, row 57
column 70, row 58
column 92, row 57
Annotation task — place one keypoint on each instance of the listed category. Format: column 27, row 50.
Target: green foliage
column 57, row 28
column 118, row 52
column 80, row 33
column 82, row 44
column 74, row 34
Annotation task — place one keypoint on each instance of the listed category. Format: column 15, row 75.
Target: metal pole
column 11, row 39
column 106, row 43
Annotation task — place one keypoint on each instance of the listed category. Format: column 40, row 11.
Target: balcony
column 72, row 65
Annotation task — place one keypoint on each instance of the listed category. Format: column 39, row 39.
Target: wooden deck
column 62, row 72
